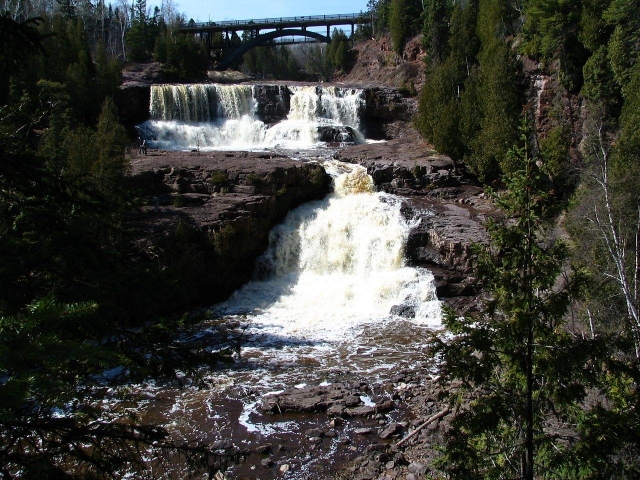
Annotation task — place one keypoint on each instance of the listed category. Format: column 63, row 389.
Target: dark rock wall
column 207, row 218
column 133, row 104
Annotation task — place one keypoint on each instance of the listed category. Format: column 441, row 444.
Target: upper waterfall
column 200, row 102
column 213, row 116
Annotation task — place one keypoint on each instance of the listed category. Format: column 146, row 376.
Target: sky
column 216, row 10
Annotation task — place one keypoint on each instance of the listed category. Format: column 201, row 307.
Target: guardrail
column 270, row 21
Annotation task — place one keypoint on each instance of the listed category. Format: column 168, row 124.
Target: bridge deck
column 278, row 23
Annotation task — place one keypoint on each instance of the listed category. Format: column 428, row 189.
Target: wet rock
column 352, row 401
column 417, row 468
column 223, row 445
column 336, row 400
column 362, row 431
column 266, row 462
column 263, row 449
column 406, row 311
column 337, row 410
column 272, row 102
column 307, row 399
column 336, row 422
column 336, row 134
column 314, row 432
column 361, row 411
column 391, row 430
column 385, row 406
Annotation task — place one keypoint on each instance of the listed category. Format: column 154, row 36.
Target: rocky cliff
column 207, row 217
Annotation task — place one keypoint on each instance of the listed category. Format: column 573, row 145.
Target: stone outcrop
column 385, row 111
column 336, row 400
column 208, row 216
column 133, row 103
column 272, row 102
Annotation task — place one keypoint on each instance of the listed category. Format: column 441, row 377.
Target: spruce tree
column 516, row 365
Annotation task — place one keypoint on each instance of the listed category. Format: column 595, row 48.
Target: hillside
column 376, row 63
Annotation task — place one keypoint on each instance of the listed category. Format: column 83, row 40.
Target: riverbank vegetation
column 73, row 317
column 486, row 65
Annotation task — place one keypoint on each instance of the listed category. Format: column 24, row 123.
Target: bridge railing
column 270, row 21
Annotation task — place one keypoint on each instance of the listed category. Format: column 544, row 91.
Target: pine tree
column 398, row 24
column 516, row 364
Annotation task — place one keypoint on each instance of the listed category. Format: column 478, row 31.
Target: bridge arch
column 267, row 37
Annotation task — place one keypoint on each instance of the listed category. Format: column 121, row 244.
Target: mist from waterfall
column 224, row 117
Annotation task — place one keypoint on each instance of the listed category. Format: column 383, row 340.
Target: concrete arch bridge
column 234, row 38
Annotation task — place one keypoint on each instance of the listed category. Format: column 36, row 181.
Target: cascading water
column 336, row 266
column 322, row 308
column 224, row 117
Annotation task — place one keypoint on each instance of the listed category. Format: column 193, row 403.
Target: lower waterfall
column 334, row 268
column 333, row 303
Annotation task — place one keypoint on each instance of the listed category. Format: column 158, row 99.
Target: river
column 334, row 300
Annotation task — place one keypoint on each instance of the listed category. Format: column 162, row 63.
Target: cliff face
column 208, row 217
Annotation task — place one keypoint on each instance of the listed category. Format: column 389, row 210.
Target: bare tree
column 612, row 216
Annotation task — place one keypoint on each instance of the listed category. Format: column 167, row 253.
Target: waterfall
column 200, row 102
column 336, row 265
column 219, row 117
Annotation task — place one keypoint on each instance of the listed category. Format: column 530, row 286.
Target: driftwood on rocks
column 428, row 421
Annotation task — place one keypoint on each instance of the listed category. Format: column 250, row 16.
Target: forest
column 552, row 365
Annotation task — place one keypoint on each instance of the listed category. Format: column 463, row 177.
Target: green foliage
column 183, row 58
column 18, row 41
column 337, row 55
column 218, row 179
column 277, row 63
column 435, row 28
column 471, row 100
column 554, row 152
column 255, row 179
column 439, row 119
column 399, row 25
column 141, row 35
column 380, row 9
column 624, row 42
column 515, row 360
column 552, row 31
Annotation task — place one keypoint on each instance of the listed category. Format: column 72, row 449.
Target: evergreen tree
column 435, row 28
column 337, row 55
column 399, row 25
column 516, row 364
